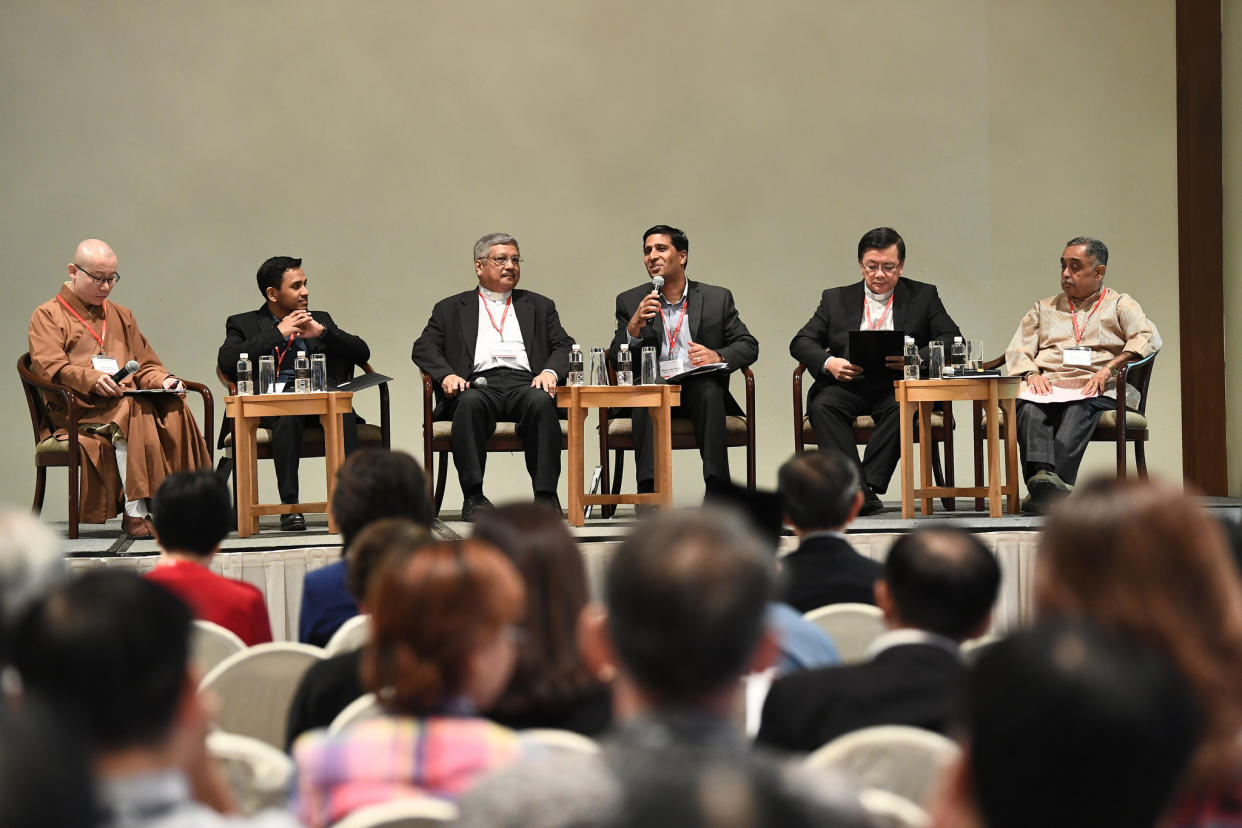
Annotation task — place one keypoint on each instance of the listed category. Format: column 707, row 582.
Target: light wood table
column 993, row 392
column 577, row 399
column 246, row 411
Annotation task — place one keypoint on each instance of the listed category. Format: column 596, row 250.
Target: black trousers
column 1057, row 433
column 508, row 396
column 832, row 412
column 287, row 447
column 703, row 402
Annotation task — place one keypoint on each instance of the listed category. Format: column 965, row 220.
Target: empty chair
column 413, row 812
column 888, row 810
column 363, row 707
column 852, row 627
column 349, row 636
column 212, row 644
column 906, row 761
column 259, row 775
column 561, row 739
column 256, row 685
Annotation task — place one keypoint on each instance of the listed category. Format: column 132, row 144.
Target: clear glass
column 974, row 355
column 245, row 376
column 319, row 372
column 957, row 356
column 910, row 358
column 625, row 366
column 575, row 367
column 301, row 373
column 267, row 375
column 935, row 360
column 599, row 368
column 650, row 368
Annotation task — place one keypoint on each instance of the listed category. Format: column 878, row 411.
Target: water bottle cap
column 301, row 353
column 625, row 346
column 957, row 339
column 245, row 355
column 577, row 347
column 909, row 340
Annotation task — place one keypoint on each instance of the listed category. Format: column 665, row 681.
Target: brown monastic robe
column 162, row 433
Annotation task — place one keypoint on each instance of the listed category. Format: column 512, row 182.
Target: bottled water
column 910, row 354
column 957, row 356
column 575, row 366
column 625, row 366
column 301, row 374
column 245, row 376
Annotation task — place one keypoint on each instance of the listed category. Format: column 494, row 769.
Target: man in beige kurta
column 79, row 338
column 1073, row 342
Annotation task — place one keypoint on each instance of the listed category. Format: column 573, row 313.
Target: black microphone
column 131, row 367
column 478, row 382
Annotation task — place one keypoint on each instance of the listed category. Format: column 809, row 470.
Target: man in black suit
column 690, row 324
column 513, row 339
column 280, row 328
column 882, row 301
column 937, row 590
column 820, row 496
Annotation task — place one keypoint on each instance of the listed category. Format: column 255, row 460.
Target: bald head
column 92, row 258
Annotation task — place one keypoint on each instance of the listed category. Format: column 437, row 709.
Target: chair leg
column 978, row 450
column 950, row 503
column 618, row 471
column 1140, row 458
column 40, row 486
column 441, row 480
column 75, row 509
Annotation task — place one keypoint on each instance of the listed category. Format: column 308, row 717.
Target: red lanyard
column 672, row 337
column 883, row 316
column 1074, row 317
column 280, row 355
column 501, row 328
column 102, row 310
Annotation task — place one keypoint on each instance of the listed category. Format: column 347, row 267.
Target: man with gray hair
column 497, row 353
column 30, row 565
column 1068, row 349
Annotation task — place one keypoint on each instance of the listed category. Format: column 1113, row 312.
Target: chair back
column 349, row 636
column 256, row 687
column 259, row 775
column 852, row 627
column 888, row 810
column 559, row 739
column 406, row 812
column 906, row 761
column 39, row 421
column 1138, row 374
column 212, row 644
column 363, row 707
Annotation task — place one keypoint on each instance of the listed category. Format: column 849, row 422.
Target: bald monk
column 80, row 338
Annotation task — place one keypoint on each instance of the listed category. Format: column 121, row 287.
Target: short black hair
column 376, row 483
column 818, row 488
column 1071, row 726
column 192, row 512
column 943, row 581
column 686, row 595
column 1096, row 249
column 272, row 272
column 108, row 650
column 679, row 239
column 882, row 238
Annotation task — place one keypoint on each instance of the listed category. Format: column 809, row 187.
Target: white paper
column 1058, row 395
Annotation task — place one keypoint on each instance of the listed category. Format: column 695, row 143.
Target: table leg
column 994, row 472
column 662, row 448
column 906, row 413
column 333, row 451
column 1011, row 454
column 925, row 470
column 577, row 421
column 244, row 457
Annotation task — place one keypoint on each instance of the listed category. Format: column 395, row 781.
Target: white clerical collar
column 878, row 297
column 493, row 295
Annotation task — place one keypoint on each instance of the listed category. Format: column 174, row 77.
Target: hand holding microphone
column 646, row 309
column 109, row 386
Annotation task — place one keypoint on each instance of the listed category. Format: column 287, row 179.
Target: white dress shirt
column 488, row 337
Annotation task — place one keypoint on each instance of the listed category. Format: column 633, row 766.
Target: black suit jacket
column 446, row 345
column 827, row 570
column 917, row 310
column 911, row 684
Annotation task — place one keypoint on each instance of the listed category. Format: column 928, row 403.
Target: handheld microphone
column 478, row 382
column 131, row 367
column 657, row 282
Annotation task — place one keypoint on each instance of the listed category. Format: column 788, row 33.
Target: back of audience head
column 44, row 772
column 942, row 581
column 686, row 594
column 1069, row 725
column 441, row 626
column 192, row 512
column 761, row 509
column 371, row 549
column 30, row 565
column 550, row 666
column 820, row 490
column 110, row 652
column 378, row 483
column 1141, row 557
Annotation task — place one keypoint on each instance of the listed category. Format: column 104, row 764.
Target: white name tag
column 506, row 350
column 1076, row 356
column 671, row 368
column 107, row 364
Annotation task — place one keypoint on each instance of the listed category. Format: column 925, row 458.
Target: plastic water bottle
column 575, row 365
column 301, row 374
column 957, row 356
column 245, row 376
column 625, row 366
column 910, row 356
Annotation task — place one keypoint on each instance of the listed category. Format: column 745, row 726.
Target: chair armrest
column 994, row 363
column 799, row 369
column 209, row 415
column 385, row 408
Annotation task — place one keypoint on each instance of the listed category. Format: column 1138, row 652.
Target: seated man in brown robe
column 80, row 338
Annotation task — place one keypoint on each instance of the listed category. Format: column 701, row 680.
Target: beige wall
column 378, row 140
column 1231, row 94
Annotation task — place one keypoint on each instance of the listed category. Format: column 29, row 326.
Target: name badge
column 1078, row 355
column 671, row 368
column 102, row 362
column 506, row 350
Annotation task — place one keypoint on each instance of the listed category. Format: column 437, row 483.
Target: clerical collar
column 877, row 297
column 493, row 295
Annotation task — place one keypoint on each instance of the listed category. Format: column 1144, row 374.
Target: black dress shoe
column 475, row 503
column 549, row 499
column 871, row 502
column 294, row 522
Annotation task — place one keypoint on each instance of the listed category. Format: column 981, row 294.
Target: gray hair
column 484, row 245
column 1096, row 249
column 30, row 561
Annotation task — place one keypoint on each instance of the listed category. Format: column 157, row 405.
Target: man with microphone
column 82, row 339
column 495, row 352
column 691, row 325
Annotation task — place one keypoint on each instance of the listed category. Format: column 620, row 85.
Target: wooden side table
column 994, row 392
column 246, row 411
column 659, row 398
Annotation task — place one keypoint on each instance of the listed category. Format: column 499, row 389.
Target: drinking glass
column 319, row 372
column 267, row 374
column 599, row 368
column 650, row 368
column 935, row 360
column 974, row 355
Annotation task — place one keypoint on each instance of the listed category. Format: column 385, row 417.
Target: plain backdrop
column 378, row 140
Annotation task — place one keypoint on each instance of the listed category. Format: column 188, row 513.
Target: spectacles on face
column 499, row 261
column 102, row 281
column 888, row 267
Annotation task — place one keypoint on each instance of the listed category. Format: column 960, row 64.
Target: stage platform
column 277, row 562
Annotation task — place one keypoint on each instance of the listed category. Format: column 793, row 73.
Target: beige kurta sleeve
column 1024, row 347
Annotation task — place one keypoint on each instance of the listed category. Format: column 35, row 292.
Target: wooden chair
column 1118, row 425
column 438, row 439
column 52, row 452
column 864, row 427
column 616, row 434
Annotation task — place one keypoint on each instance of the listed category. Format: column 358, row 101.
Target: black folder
column 869, row 348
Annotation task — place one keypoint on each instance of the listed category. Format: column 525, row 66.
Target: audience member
column 820, row 495
column 109, row 653
column 30, row 565
column 442, row 647
column 551, row 685
column 44, row 777
column 1070, row 726
column 371, row 484
column 1143, row 559
column 193, row 513
column 936, row 590
column 686, row 596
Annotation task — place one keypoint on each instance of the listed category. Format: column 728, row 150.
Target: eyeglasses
column 499, row 261
column 888, row 267
column 102, row 281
